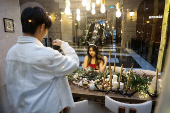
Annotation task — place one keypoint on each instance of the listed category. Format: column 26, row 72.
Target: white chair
column 113, row 106
column 117, row 69
column 80, row 107
column 147, row 72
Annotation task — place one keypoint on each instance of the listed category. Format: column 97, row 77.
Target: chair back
column 115, row 106
column 147, row 72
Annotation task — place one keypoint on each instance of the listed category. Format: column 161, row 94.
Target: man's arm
column 65, row 64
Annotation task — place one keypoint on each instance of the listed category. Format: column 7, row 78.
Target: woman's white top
column 35, row 76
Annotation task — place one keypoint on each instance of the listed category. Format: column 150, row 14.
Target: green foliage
column 139, row 83
column 123, row 77
column 89, row 74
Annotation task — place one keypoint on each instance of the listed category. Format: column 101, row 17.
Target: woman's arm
column 103, row 66
column 85, row 64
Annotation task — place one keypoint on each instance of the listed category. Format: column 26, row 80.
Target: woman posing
column 94, row 59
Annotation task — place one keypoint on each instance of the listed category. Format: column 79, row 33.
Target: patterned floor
column 125, row 56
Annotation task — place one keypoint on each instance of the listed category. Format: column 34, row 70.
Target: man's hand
column 57, row 42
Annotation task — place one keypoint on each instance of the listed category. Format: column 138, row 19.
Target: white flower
column 84, row 79
column 74, row 82
column 75, row 76
column 92, row 82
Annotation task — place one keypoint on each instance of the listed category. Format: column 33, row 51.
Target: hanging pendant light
column 88, row 7
column 103, row 9
column 84, row 2
column 67, row 9
column 78, row 11
column 97, row 2
column 93, row 11
column 93, row 8
column 78, row 17
column 118, row 13
column 93, row 5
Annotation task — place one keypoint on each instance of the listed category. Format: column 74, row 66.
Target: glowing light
column 118, row 13
column 78, row 17
column 84, row 2
column 93, row 5
column 78, row 11
column 62, row 13
column 148, row 22
column 131, row 12
column 103, row 9
column 93, row 11
column 67, row 10
column 88, row 7
column 97, row 2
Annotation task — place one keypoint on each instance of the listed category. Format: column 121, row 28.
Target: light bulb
column 67, row 11
column 93, row 5
column 68, row 3
column 97, row 2
column 102, row 10
column 93, row 11
column 118, row 13
column 78, row 17
column 88, row 7
column 84, row 2
column 131, row 13
column 78, row 11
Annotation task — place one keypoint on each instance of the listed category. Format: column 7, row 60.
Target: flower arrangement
column 88, row 76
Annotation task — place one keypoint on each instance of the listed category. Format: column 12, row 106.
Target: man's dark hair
column 31, row 18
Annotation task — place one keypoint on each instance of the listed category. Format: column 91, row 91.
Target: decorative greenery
column 88, row 73
column 137, row 82
column 140, row 83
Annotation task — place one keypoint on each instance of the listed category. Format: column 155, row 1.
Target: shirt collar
column 29, row 39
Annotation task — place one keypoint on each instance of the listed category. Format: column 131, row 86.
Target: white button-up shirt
column 35, row 76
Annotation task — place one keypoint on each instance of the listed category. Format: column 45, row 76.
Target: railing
column 141, row 47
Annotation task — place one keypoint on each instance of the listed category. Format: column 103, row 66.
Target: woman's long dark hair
column 98, row 56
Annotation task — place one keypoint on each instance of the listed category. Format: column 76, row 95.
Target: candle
column 128, row 79
column 121, row 86
column 104, row 79
column 91, row 87
column 110, row 71
column 114, row 78
column 115, row 63
column 110, row 79
column 118, row 87
column 115, row 84
column 155, row 91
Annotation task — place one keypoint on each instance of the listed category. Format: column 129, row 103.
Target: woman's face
column 92, row 52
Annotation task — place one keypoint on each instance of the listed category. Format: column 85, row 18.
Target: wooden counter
column 80, row 92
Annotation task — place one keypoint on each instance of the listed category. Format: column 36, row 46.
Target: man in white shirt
column 35, row 75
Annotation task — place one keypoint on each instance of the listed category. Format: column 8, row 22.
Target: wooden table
column 80, row 92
